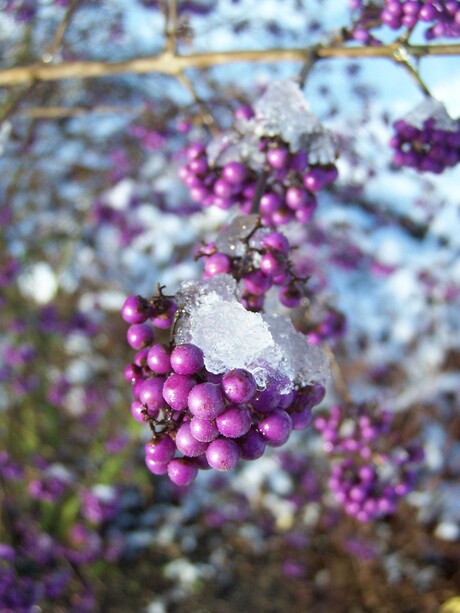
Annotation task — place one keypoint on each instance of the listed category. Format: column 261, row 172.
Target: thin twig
column 56, row 43
column 206, row 115
column 13, row 104
column 5, row 510
column 260, row 188
column 402, row 57
column 171, row 27
column 311, row 60
column 339, row 378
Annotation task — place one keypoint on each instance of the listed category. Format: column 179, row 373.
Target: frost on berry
column 283, row 111
column 258, row 259
column 434, row 111
column 232, row 239
column 272, row 160
column 427, row 139
column 267, row 346
column 230, row 381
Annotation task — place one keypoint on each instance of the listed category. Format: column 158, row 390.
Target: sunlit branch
column 171, row 64
column 58, row 112
column 171, row 33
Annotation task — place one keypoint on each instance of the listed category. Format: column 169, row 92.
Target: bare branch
column 206, row 115
column 339, row 378
column 171, row 27
column 57, row 112
column 10, row 107
column 56, row 43
column 173, row 65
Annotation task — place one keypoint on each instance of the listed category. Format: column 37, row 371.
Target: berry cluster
column 282, row 189
column 273, row 160
column 260, row 259
column 369, row 15
column 329, row 327
column 372, row 472
column 210, row 420
column 444, row 17
column 427, row 139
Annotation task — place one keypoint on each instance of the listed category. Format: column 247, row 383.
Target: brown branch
column 13, row 104
column 170, row 64
column 206, row 115
column 62, row 28
column 57, row 112
column 339, row 378
column 310, row 61
column 389, row 51
column 171, row 27
column 402, row 56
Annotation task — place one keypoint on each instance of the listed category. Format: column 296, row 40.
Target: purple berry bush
column 229, row 297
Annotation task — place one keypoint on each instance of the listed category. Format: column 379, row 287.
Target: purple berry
column 203, row 429
column 223, row 454
column 234, row 422
column 133, row 373
column 270, row 202
column 239, row 386
column 272, row 264
column 314, row 179
column 165, row 319
column 217, row 264
column 257, row 282
column 276, row 241
column 135, row 310
column 290, row 296
column 157, row 468
column 278, row 157
column 251, row 302
column 282, row 216
column 266, row 401
column 176, row 389
column 161, row 450
column 158, row 359
column 138, row 411
column 187, row 359
column 187, row 444
column 234, row 173
column 206, row 400
column 222, row 188
column 199, row 166
column 276, row 428
column 296, row 198
column 151, row 393
column 244, row 113
column 286, row 400
column 195, row 150
column 139, row 335
column 199, row 194
column 140, row 359
column 427, row 12
column 252, row 445
column 182, row 471
column 302, row 419
column 137, row 388
column 299, row 161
